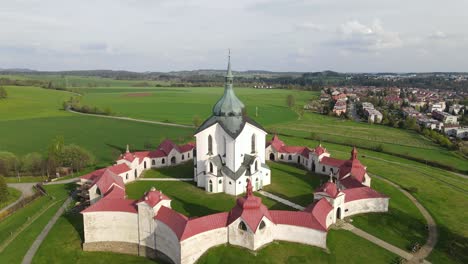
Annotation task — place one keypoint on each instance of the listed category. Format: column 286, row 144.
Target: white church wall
column 365, row 206
column 93, row 195
column 167, row 241
column 265, row 235
column 193, row 247
column 202, row 150
column 243, row 144
column 301, row 235
column 110, row 226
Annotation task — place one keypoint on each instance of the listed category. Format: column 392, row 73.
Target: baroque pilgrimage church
column 229, row 156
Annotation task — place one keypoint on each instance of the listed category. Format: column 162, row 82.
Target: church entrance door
column 338, row 213
column 173, row 160
column 272, row 156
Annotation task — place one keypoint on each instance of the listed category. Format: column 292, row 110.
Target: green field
column 44, row 207
column 184, row 170
column 180, row 105
column 13, row 195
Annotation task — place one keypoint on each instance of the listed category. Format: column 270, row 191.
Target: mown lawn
column 25, row 179
column 184, row 170
column 401, row 226
column 13, row 195
column 293, row 183
column 191, row 200
column 441, row 192
column 15, row 251
column 344, row 247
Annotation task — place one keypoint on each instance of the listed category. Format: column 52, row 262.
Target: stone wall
column 110, row 226
column 301, row 235
column 167, row 242
column 373, row 205
column 193, row 247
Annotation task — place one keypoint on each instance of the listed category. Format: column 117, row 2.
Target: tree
column 33, row 163
column 196, row 121
column 3, row 190
column 54, row 154
column 3, row 93
column 9, row 163
column 290, row 101
column 76, row 157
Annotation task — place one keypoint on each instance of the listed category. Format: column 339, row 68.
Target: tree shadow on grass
column 76, row 220
column 453, row 246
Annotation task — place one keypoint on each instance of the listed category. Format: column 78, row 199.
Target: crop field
column 180, row 105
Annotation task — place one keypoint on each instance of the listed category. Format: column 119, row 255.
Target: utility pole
column 256, row 111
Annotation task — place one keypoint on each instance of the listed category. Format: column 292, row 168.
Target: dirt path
column 133, row 119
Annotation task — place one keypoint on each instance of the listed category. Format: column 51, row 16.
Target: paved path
column 165, row 179
column 134, row 119
column 281, row 200
column 35, row 246
column 377, row 241
column 431, row 224
column 26, row 190
column 63, row 181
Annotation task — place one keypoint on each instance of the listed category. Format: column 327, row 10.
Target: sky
column 275, row 35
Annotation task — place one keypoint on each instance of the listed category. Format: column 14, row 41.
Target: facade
column 340, row 107
column 444, row 117
column 230, row 147
column 373, row 115
column 456, row 131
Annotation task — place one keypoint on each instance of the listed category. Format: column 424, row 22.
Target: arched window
column 183, row 156
column 262, row 225
column 211, row 186
column 98, row 192
column 163, row 161
column 126, row 176
column 153, row 162
column 289, row 157
column 323, row 169
column 211, row 167
column 220, row 181
column 188, row 155
column 256, row 166
column 224, row 146
column 282, row 157
column 144, row 164
column 242, row 226
column 210, row 145
column 135, row 173
column 253, row 143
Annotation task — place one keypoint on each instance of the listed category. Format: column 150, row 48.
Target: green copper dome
column 229, row 104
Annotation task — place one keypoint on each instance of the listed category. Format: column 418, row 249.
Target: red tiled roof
column 361, row 193
column 157, row 154
column 292, row 149
column 174, row 220
column 332, row 161
column 187, row 147
column 167, row 145
column 319, row 150
column 320, row 211
column 250, row 208
column 119, row 168
column 199, row 225
column 153, row 197
column 329, row 188
column 113, row 201
column 296, row 218
column 92, row 176
column 351, row 182
column 354, row 167
column 276, row 143
column 141, row 155
column 128, row 156
column 107, row 180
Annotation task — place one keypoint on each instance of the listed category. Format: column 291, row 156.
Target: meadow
column 31, row 117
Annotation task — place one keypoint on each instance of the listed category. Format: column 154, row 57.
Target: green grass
column 15, row 251
column 441, row 192
column 180, row 105
column 191, row 200
column 393, row 140
column 184, row 170
column 401, row 226
column 344, row 247
column 25, row 179
column 293, row 183
column 13, row 195
column 63, row 245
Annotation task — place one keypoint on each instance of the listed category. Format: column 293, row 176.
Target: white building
column 230, row 147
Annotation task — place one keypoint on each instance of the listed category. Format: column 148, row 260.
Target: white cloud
column 438, row 35
column 356, row 36
column 307, row 26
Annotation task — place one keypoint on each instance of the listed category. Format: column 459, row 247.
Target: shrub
column 3, row 190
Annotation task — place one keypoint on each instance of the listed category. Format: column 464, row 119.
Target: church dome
column 229, row 104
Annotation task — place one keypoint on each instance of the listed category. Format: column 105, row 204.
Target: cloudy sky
column 278, row 35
